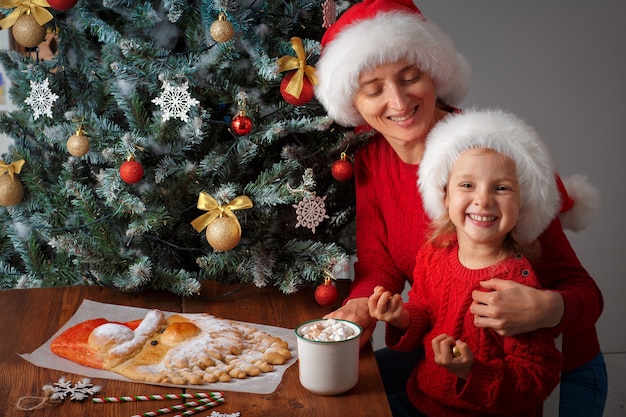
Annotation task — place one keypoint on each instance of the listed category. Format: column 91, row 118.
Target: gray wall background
column 562, row 66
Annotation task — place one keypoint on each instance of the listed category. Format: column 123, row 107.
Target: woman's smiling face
column 398, row 100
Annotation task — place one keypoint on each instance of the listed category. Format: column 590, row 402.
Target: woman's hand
column 454, row 355
column 357, row 311
column 511, row 308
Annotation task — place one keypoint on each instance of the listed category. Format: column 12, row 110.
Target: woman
column 383, row 65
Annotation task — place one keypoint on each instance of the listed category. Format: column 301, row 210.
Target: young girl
column 488, row 182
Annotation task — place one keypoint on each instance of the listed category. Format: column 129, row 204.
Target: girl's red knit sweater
column 510, row 376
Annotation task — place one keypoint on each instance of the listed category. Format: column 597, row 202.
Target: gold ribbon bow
column 36, row 7
column 208, row 203
column 15, row 167
column 287, row 63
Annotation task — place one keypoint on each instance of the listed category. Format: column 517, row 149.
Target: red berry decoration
column 326, row 294
column 62, row 4
column 241, row 124
column 306, row 94
column 342, row 170
column 131, row 171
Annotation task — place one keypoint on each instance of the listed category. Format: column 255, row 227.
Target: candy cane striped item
column 195, row 410
column 213, row 395
column 206, row 402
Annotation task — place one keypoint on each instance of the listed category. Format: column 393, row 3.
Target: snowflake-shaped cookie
column 311, row 211
column 175, row 101
column 41, row 98
column 78, row 392
column 329, row 9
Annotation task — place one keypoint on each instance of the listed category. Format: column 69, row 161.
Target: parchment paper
column 265, row 383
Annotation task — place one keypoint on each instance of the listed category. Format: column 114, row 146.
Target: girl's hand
column 454, row 355
column 389, row 308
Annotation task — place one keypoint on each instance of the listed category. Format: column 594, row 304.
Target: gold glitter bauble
column 11, row 190
column 27, row 32
column 221, row 30
column 78, row 144
column 223, row 233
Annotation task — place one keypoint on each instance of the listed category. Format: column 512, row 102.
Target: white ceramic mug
column 328, row 367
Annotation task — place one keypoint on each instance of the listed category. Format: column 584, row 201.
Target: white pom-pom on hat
column 586, row 201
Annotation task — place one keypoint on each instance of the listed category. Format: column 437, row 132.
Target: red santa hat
column 374, row 32
column 542, row 194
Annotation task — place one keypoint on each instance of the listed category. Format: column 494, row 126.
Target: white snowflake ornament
column 80, row 391
column 175, row 101
column 41, row 98
column 311, row 211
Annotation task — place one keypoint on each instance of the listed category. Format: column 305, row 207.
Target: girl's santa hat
column 375, row 32
column 543, row 196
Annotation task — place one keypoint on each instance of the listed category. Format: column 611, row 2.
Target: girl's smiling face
column 482, row 197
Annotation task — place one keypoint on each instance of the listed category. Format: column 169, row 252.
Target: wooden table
column 29, row 317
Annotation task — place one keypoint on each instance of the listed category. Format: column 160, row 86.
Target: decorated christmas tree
column 169, row 142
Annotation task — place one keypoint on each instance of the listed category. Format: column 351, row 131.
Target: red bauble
column 326, row 294
column 62, row 4
column 131, row 171
column 342, row 170
column 305, row 95
column 241, row 124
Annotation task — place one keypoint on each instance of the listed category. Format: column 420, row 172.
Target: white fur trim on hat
column 387, row 37
column 506, row 134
